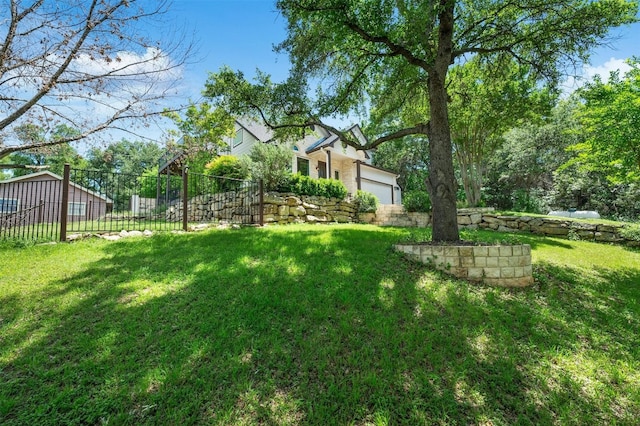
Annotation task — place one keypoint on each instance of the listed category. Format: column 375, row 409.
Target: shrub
column 271, row 163
column 229, row 172
column 416, row 201
column 366, row 202
column 305, row 185
column 228, row 166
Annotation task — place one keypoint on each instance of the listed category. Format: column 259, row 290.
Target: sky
column 242, row 33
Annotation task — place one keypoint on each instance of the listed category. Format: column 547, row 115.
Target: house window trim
column 234, row 143
column 17, row 205
column 306, row 160
column 83, row 210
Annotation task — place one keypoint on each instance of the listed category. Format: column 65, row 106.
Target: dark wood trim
column 329, row 175
column 358, row 176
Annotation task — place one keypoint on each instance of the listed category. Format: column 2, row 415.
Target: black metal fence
column 31, row 207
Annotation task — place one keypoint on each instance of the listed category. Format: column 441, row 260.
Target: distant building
column 37, row 197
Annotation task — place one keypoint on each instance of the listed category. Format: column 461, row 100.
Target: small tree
column 271, row 163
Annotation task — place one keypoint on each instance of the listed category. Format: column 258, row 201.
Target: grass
column 312, row 325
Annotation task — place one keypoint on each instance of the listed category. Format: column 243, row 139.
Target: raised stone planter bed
column 504, row 265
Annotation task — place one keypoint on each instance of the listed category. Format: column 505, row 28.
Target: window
column 336, row 175
column 303, row 166
column 9, row 205
column 237, row 140
column 322, row 169
column 76, row 209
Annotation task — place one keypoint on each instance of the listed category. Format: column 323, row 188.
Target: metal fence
column 31, row 207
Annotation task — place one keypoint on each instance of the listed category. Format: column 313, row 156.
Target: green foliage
column 409, row 157
column 416, row 201
column 366, row 202
column 487, row 98
column 228, row 166
column 271, row 163
column 306, row 185
column 576, row 187
column 538, row 149
column 54, row 156
column 610, row 122
column 528, row 202
column 631, row 232
column 229, row 171
column 127, row 157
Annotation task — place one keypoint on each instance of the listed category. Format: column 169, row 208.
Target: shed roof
column 56, row 177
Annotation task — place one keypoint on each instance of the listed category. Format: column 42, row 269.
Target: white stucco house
column 321, row 154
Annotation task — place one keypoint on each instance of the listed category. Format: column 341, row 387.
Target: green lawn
column 312, row 325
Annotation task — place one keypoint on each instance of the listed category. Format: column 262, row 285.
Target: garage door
column 380, row 190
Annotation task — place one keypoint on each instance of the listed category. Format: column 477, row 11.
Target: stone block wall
column 288, row 208
column 485, row 218
column 243, row 207
column 504, row 265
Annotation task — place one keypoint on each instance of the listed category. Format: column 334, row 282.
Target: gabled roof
column 258, row 130
column 56, row 177
column 323, row 142
column 331, row 140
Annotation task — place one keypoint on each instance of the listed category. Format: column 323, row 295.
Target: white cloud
column 605, row 69
column 589, row 71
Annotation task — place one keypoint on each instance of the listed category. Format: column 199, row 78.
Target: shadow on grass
column 319, row 326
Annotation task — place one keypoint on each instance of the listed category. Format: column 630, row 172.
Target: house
column 36, row 198
column 323, row 155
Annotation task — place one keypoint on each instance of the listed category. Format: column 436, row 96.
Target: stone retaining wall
column 504, row 265
column 486, row 219
column 243, row 207
column 287, row 208
column 547, row 226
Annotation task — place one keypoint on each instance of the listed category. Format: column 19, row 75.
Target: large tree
column 89, row 64
column 388, row 54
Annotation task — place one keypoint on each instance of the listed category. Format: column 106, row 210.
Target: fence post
column 185, row 197
column 64, row 204
column 261, row 202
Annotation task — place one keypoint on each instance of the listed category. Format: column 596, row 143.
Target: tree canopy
column 611, row 119
column 389, row 56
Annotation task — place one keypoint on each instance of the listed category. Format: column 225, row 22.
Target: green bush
column 305, row 185
column 229, row 172
column 416, row 201
column 228, row 166
column 271, row 163
column 366, row 202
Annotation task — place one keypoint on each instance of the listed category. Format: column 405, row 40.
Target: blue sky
column 241, row 34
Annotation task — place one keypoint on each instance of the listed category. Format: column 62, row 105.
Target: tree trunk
column 441, row 182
